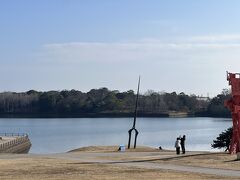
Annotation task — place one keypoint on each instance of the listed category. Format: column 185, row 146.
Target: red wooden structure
column 234, row 105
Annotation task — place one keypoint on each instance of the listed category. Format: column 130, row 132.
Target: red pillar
column 234, row 105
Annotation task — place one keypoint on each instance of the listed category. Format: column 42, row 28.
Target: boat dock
column 14, row 143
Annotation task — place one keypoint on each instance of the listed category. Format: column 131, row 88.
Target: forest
column 108, row 103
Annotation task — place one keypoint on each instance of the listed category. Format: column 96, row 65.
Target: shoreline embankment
column 171, row 114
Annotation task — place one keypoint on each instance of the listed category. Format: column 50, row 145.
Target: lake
column 61, row 135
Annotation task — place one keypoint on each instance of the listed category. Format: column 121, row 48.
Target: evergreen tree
column 223, row 140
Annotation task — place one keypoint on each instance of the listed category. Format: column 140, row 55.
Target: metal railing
column 19, row 139
column 13, row 134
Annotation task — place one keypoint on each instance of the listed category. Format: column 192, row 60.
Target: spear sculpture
column 134, row 121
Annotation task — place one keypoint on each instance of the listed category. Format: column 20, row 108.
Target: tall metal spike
column 134, row 121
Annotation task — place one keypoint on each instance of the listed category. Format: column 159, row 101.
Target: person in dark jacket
column 183, row 144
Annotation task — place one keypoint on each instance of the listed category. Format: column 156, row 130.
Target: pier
column 14, row 143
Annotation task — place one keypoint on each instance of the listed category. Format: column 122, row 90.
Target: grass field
column 40, row 167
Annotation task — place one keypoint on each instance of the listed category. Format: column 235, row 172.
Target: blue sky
column 83, row 44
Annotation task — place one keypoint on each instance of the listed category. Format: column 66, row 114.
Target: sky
column 183, row 46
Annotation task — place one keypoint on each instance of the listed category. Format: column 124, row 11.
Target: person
column 183, row 144
column 177, row 146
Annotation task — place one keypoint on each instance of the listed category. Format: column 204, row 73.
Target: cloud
column 178, row 49
column 224, row 38
column 189, row 64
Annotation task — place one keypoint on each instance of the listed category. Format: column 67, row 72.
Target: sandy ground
column 80, row 165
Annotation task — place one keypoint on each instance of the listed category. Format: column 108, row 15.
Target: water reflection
column 60, row 135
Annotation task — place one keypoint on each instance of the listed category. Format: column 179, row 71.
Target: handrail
column 13, row 134
column 9, row 144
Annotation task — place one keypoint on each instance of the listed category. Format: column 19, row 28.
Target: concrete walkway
column 146, row 162
column 131, row 159
column 202, row 170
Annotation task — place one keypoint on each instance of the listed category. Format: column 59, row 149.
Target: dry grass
column 40, row 167
column 47, row 168
column 113, row 149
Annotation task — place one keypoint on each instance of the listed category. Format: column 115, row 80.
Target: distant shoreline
column 82, row 115
column 105, row 115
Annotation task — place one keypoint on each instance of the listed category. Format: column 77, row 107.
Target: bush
column 223, row 140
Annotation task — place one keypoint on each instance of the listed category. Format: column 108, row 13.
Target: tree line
column 104, row 101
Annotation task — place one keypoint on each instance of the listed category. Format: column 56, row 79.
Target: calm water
column 61, row 135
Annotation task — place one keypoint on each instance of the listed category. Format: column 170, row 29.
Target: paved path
column 134, row 159
column 147, row 162
column 220, row 172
